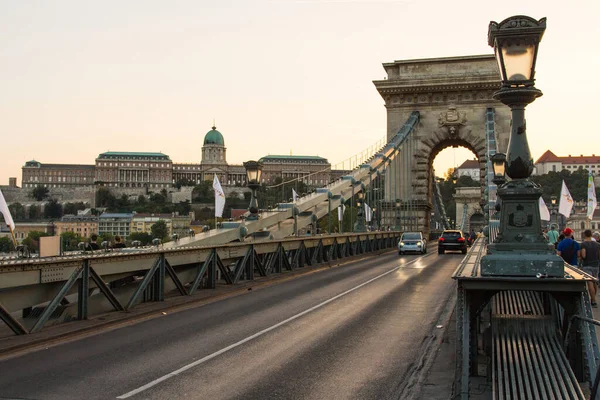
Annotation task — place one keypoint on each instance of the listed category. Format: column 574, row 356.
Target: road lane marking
column 257, row 334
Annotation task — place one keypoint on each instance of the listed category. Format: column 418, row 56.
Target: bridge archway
column 454, row 97
column 476, row 222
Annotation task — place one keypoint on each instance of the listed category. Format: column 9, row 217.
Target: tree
column 143, row 237
column 159, row 229
column 104, row 198
column 6, row 245
column 32, row 241
column 184, row 182
column 39, row 193
column 72, row 208
column 70, row 240
column 203, row 192
column 34, row 212
column 106, row 237
column 17, row 210
column 52, row 209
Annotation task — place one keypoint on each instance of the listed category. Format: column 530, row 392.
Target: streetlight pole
column 359, row 225
column 520, row 248
column 554, row 211
column 253, row 172
column 398, row 215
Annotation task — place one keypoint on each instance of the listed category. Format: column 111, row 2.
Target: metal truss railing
column 492, row 148
column 45, row 284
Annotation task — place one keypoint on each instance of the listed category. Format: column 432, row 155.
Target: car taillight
column 461, row 239
column 441, row 239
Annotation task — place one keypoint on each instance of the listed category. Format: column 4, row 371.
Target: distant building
column 115, row 224
column 156, row 171
column 35, row 173
column 551, row 162
column 469, row 168
column 134, row 170
column 142, row 223
column 579, row 222
column 180, row 224
column 213, row 162
column 312, row 170
column 22, row 229
column 83, row 225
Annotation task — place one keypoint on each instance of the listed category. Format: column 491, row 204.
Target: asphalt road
column 350, row 332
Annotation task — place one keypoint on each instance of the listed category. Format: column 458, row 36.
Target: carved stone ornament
column 452, row 120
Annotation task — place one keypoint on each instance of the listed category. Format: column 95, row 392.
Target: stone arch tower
column 452, row 95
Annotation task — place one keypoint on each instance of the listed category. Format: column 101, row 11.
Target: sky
column 78, row 77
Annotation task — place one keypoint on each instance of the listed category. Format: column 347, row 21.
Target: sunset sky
column 79, row 77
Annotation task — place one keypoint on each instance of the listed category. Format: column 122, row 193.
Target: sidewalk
column 440, row 378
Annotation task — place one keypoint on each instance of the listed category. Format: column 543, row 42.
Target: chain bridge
column 431, row 104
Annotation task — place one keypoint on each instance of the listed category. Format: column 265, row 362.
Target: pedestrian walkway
column 439, row 384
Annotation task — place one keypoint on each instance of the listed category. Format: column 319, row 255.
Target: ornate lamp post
column 359, row 225
column 520, row 248
column 554, row 211
column 398, row 227
column 254, row 173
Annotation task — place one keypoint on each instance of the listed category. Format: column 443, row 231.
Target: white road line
column 257, row 334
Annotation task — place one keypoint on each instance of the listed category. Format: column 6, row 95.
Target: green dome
column 214, row 137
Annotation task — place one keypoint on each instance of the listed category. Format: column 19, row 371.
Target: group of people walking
column 585, row 255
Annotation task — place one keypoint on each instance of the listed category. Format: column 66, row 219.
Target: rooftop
column 469, row 164
column 129, row 154
column 549, row 156
column 116, row 215
column 292, row 158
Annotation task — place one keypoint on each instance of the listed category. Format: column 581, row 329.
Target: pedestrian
column 545, row 233
column 92, row 245
column 596, row 236
column 568, row 248
column 118, row 243
column 590, row 256
column 552, row 235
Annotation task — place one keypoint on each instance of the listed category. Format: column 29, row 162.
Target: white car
column 412, row 242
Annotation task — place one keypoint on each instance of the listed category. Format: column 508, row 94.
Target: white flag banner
column 592, row 202
column 294, row 195
column 566, row 201
column 544, row 213
column 6, row 212
column 341, row 210
column 368, row 213
column 219, row 197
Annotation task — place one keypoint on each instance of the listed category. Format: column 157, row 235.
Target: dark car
column 453, row 240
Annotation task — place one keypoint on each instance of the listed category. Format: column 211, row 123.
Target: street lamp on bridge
column 359, row 225
column 398, row 227
column 520, row 248
column 254, row 173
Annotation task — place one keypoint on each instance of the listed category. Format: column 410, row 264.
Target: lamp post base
column 520, row 248
column 517, row 263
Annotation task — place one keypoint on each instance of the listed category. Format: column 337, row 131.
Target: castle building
column 312, row 170
column 134, row 169
column 156, row 171
column 35, row 173
column 214, row 161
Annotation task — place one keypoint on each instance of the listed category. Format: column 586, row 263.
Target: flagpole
column 13, row 237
